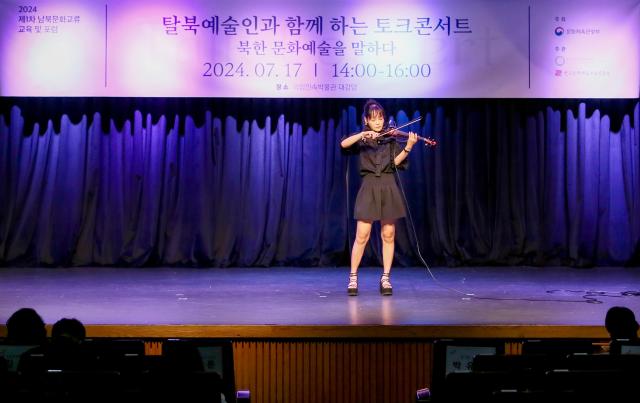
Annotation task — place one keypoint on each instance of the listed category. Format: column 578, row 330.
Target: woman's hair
column 373, row 108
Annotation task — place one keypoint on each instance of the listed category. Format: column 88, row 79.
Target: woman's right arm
column 354, row 138
column 351, row 140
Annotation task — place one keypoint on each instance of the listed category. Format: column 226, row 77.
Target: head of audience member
column 68, row 332
column 621, row 323
column 25, row 326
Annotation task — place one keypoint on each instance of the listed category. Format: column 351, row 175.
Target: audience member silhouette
column 65, row 352
column 621, row 323
column 26, row 327
column 68, row 332
column 622, row 326
column 67, row 349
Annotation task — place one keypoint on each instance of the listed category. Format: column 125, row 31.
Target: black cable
column 589, row 297
column 415, row 237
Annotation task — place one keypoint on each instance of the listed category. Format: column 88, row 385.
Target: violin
column 394, row 132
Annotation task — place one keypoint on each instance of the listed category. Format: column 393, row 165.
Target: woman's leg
column 388, row 234
column 363, row 231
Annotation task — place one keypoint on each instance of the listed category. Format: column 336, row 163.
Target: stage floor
column 263, row 302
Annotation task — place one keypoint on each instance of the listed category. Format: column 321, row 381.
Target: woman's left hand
column 413, row 138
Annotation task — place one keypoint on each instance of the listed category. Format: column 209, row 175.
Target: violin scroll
column 429, row 142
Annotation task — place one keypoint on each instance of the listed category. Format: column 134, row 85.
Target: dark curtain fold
column 264, row 182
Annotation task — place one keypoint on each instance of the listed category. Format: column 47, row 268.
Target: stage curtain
column 510, row 183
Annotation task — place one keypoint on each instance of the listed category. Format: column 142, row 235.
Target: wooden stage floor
column 297, row 302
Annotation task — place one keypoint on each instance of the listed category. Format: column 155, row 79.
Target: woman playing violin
column 379, row 197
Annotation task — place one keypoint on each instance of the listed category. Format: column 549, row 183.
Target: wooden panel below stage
column 344, row 331
column 340, row 331
column 332, row 371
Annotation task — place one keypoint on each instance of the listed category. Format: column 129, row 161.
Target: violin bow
column 401, row 126
column 427, row 141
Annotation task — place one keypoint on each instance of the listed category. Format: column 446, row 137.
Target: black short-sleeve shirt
column 376, row 156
